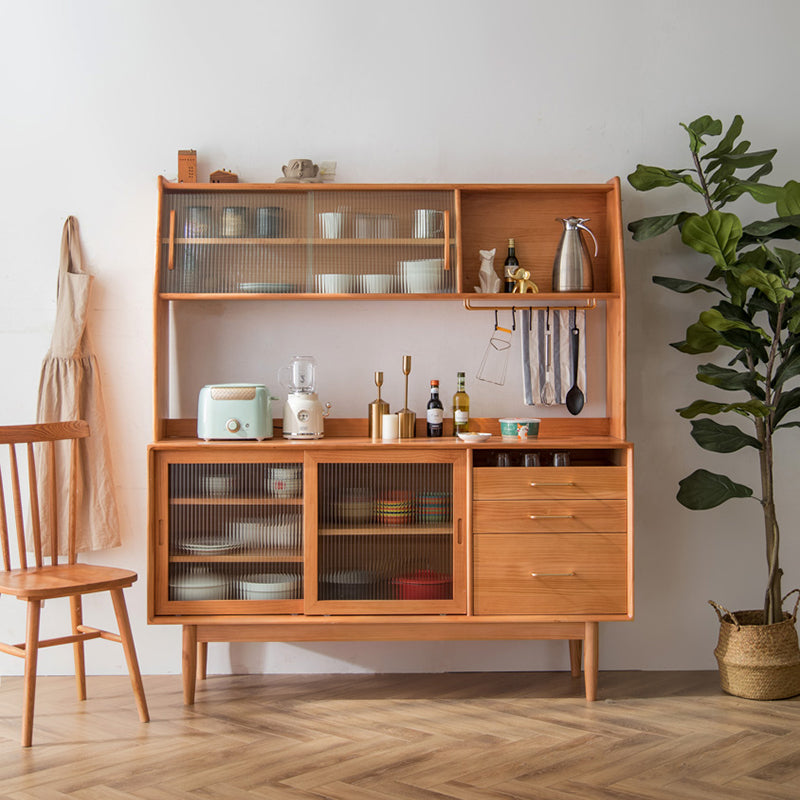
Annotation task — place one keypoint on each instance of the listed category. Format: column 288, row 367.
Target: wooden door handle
column 446, row 240
column 171, row 255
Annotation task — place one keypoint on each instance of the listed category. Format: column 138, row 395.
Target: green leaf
column 751, row 408
column 684, row 287
column 771, row 286
column 701, row 126
column 731, row 380
column 710, row 435
column 715, row 234
column 787, row 402
column 725, row 144
column 645, row 178
column 790, row 368
column 787, row 425
column 699, row 339
column 703, row 489
column 717, row 322
column 789, row 204
column 746, row 160
column 648, row 227
column 787, row 227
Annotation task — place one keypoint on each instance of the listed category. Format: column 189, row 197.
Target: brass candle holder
column 377, row 408
column 407, row 419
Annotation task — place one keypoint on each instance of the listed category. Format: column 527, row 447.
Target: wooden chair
column 40, row 582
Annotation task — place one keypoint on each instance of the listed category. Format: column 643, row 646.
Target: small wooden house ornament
column 224, row 176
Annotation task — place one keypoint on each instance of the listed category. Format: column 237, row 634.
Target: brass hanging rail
column 588, row 306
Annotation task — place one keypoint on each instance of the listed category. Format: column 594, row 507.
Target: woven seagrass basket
column 757, row 661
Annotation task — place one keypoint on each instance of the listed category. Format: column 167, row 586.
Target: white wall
column 97, row 98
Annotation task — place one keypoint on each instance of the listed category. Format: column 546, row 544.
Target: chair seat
column 63, row 580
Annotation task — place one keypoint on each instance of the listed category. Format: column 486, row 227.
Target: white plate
column 473, row 438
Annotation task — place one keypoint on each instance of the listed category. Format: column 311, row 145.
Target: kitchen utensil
column 574, row 395
column 234, row 411
column 424, row 584
column 474, row 438
column 495, row 358
column 335, row 283
column 549, row 391
column 234, row 221
column 572, row 266
column 503, row 459
column 428, row 223
column 406, row 418
column 532, row 459
column 561, row 459
column 303, row 413
column 330, row 224
column 377, row 408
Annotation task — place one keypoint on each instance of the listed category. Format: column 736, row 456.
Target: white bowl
column 335, row 283
column 377, row 284
column 268, row 586
column 198, row 585
column 474, row 438
column 284, row 534
column 330, row 224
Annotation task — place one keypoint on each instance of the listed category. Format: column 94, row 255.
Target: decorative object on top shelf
column 300, row 170
column 487, row 277
column 187, row 166
column 522, row 282
column 223, row 176
column 377, row 408
column 407, row 419
column 757, row 321
column 572, row 266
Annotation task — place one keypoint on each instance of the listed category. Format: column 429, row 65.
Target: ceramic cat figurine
column 489, row 282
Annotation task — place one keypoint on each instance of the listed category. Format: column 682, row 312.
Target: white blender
column 303, row 413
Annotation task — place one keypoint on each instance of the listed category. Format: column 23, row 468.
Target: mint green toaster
column 234, row 411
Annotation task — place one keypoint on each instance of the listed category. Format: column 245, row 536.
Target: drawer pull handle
column 566, row 483
column 553, row 574
column 551, row 516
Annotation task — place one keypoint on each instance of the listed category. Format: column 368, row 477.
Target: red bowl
column 424, row 584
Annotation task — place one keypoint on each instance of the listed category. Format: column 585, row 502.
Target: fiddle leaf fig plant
column 753, row 326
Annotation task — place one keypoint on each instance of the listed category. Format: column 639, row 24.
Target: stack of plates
column 357, row 506
column 219, row 485
column 433, row 507
column 208, row 546
column 257, row 532
column 268, row 586
column 395, row 508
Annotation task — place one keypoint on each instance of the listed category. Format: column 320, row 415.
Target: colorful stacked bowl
column 395, row 508
column 433, row 507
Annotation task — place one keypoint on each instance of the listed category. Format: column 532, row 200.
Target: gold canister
column 377, row 408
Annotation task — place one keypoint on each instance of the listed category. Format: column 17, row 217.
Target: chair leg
column 121, row 611
column 76, row 612
column 31, row 656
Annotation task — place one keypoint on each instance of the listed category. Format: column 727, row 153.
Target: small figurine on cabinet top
column 523, row 282
column 224, row 176
column 487, row 277
column 187, row 166
column 300, row 170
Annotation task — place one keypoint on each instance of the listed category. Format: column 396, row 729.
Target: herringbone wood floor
column 652, row 735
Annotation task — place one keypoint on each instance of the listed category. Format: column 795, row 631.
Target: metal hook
column 513, row 318
column 495, row 319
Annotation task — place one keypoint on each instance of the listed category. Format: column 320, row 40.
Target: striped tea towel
column 534, row 353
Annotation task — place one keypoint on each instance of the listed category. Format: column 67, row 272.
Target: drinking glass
column 561, row 459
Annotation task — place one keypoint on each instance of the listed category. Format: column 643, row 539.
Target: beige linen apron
column 69, row 389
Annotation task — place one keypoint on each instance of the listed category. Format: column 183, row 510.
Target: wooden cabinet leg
column 575, row 652
column 202, row 660
column 590, row 660
column 189, row 663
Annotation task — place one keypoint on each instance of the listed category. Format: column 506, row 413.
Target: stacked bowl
column 433, row 507
column 355, row 507
column 422, row 275
column 285, row 481
column 395, row 508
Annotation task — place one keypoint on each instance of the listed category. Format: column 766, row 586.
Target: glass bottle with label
column 460, row 406
column 435, row 412
column 510, row 266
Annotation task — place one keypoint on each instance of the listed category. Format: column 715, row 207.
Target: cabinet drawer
column 545, row 516
column 561, row 573
column 546, row 483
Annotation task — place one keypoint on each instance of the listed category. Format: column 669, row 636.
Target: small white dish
column 473, row 438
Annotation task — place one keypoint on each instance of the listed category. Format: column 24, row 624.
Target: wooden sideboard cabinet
column 343, row 538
